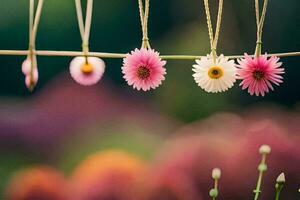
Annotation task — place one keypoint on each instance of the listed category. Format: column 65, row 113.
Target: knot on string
column 145, row 39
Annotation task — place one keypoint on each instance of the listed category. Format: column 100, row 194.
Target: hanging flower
column 144, row 69
column 26, row 66
column 216, row 76
column 34, row 80
column 259, row 73
column 87, row 73
column 26, row 69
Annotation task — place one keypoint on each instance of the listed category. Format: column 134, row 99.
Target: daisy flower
column 216, row 76
column 87, row 73
column 143, row 69
column 259, row 73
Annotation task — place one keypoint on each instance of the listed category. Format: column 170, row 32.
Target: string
column 260, row 23
column 37, row 19
column 213, row 38
column 144, row 16
column 79, row 18
column 88, row 22
column 257, row 12
column 84, row 28
column 31, row 18
column 34, row 19
column 50, row 53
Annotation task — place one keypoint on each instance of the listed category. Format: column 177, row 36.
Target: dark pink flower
column 259, row 73
column 143, row 69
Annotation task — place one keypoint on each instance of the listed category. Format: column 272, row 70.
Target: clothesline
column 121, row 55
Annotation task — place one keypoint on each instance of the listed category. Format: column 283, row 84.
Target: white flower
column 265, row 149
column 216, row 173
column 216, row 76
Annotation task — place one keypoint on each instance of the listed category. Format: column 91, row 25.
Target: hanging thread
column 32, row 50
column 84, row 28
column 213, row 38
column 259, row 25
column 34, row 19
column 144, row 16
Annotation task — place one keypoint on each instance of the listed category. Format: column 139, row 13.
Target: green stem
column 279, row 185
column 278, row 190
column 262, row 168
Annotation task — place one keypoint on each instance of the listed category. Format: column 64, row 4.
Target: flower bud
column 262, row 167
column 265, row 149
column 281, row 179
column 213, row 193
column 216, row 173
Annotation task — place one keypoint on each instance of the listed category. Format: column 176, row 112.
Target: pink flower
column 87, row 73
column 26, row 69
column 26, row 66
column 143, row 69
column 34, row 79
column 259, row 73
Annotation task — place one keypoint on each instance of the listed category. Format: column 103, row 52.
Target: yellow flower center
column 215, row 72
column 87, row 68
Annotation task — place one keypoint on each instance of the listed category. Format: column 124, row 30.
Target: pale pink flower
column 26, row 69
column 259, row 73
column 144, row 69
column 87, row 73
column 26, row 66
column 35, row 78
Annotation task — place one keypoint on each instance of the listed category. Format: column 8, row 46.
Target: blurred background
column 162, row 143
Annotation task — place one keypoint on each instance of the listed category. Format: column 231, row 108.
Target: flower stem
column 262, row 167
column 216, row 175
column 278, row 190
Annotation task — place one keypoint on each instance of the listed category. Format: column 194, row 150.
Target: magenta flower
column 87, row 72
column 259, row 73
column 143, row 69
